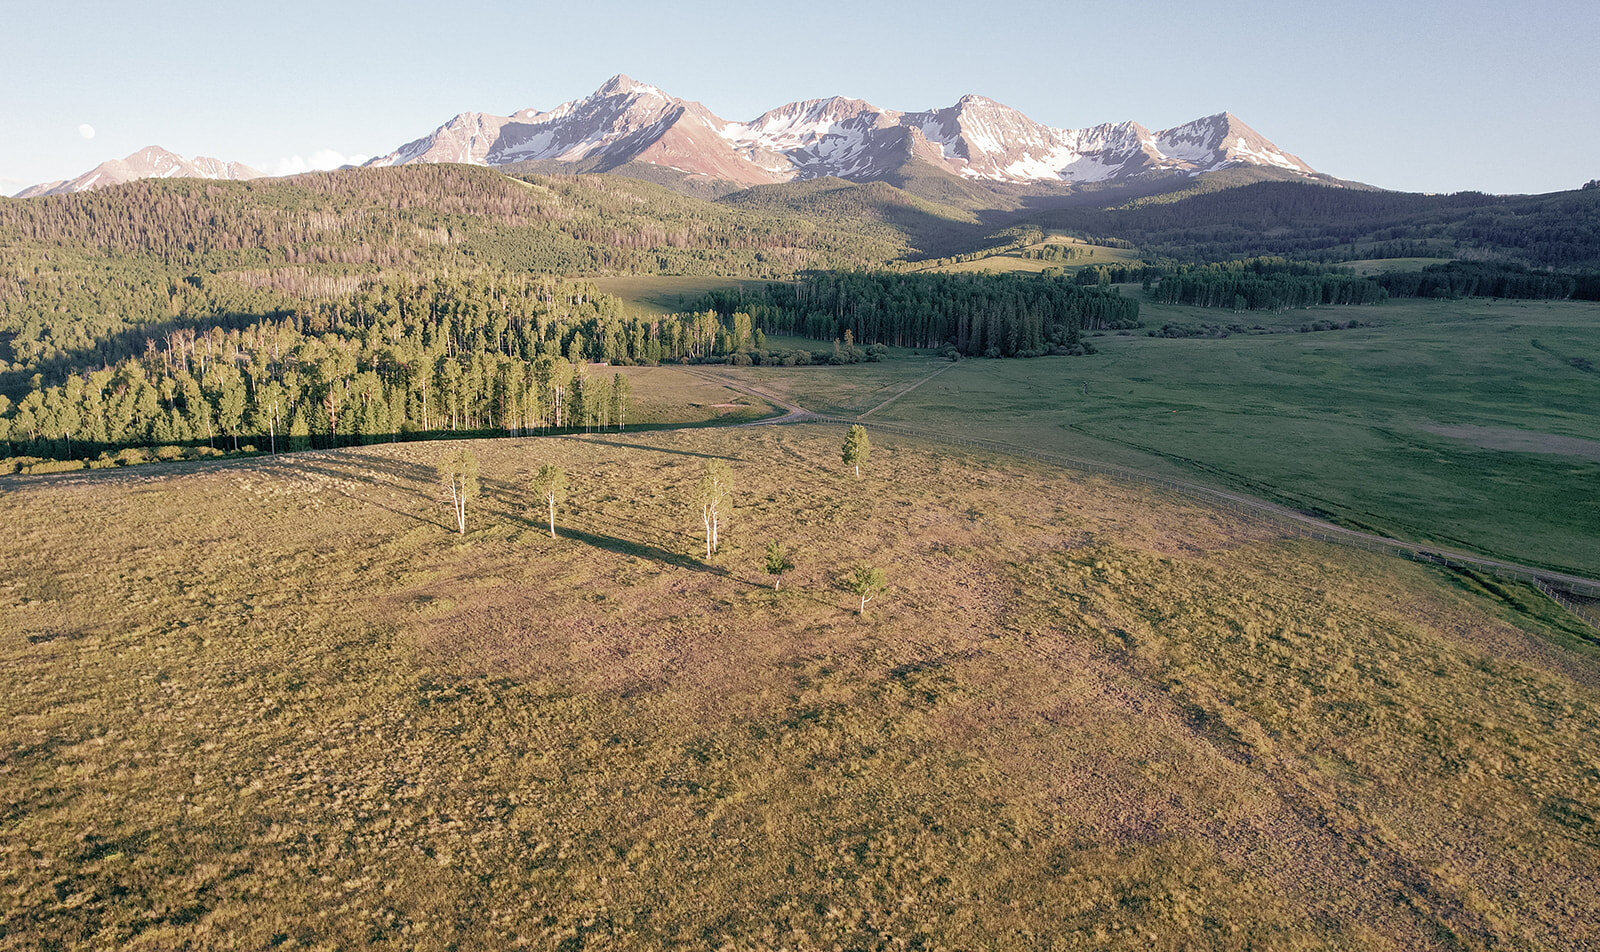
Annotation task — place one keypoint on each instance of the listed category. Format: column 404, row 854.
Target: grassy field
column 1470, row 424
column 279, row 703
column 1380, row 265
column 669, row 396
column 1013, row 262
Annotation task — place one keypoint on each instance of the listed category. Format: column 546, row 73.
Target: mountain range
column 977, row 138
column 152, row 161
column 627, row 122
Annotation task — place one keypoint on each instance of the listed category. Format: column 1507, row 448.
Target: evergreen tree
column 778, row 562
column 866, row 582
column 299, row 429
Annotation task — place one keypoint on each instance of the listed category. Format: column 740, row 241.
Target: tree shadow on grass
column 641, row 550
column 646, row 446
column 351, row 468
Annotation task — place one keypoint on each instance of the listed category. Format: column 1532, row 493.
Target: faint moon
column 86, row 130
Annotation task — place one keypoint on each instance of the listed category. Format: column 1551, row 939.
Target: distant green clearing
column 667, row 294
column 1343, row 422
column 1017, row 262
column 668, row 396
column 1380, row 265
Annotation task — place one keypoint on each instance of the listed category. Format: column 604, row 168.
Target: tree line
column 1490, row 279
column 505, row 355
column 998, row 315
column 1265, row 284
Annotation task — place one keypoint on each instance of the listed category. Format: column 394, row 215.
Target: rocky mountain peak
column 629, row 121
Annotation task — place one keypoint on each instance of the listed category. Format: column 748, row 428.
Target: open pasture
column 667, row 294
column 281, row 703
column 1016, row 261
column 1468, row 424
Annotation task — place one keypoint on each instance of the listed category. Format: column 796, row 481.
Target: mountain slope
column 976, row 139
column 149, row 162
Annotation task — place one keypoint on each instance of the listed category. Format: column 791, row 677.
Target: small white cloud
column 86, row 130
column 320, row 160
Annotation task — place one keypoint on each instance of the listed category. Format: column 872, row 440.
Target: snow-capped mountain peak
column 629, row 121
column 1222, row 140
column 977, row 137
column 624, row 85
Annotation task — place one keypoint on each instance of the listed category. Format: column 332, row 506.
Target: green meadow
column 1471, row 424
column 1018, row 262
column 667, row 294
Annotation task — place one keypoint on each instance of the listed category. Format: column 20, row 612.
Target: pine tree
column 865, row 581
column 299, row 429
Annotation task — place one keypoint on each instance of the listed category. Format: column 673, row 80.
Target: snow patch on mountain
column 629, row 121
column 977, row 138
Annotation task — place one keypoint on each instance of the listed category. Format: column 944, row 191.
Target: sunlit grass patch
column 280, row 702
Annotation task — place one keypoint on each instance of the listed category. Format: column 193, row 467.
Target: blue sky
column 1424, row 96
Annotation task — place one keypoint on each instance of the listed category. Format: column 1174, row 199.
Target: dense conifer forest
column 444, row 356
column 976, row 314
column 1265, row 284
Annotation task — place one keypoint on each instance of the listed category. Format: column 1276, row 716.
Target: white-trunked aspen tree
column 621, row 389
column 711, row 496
column 459, row 472
column 856, row 448
column 550, row 485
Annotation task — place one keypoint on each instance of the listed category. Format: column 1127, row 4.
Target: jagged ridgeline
column 994, row 315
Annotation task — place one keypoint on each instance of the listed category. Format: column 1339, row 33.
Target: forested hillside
column 874, row 208
column 1314, row 222
column 437, row 215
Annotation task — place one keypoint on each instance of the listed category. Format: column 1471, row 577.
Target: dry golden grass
column 279, row 703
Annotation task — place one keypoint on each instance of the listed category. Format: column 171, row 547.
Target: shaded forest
column 1323, row 223
column 992, row 315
